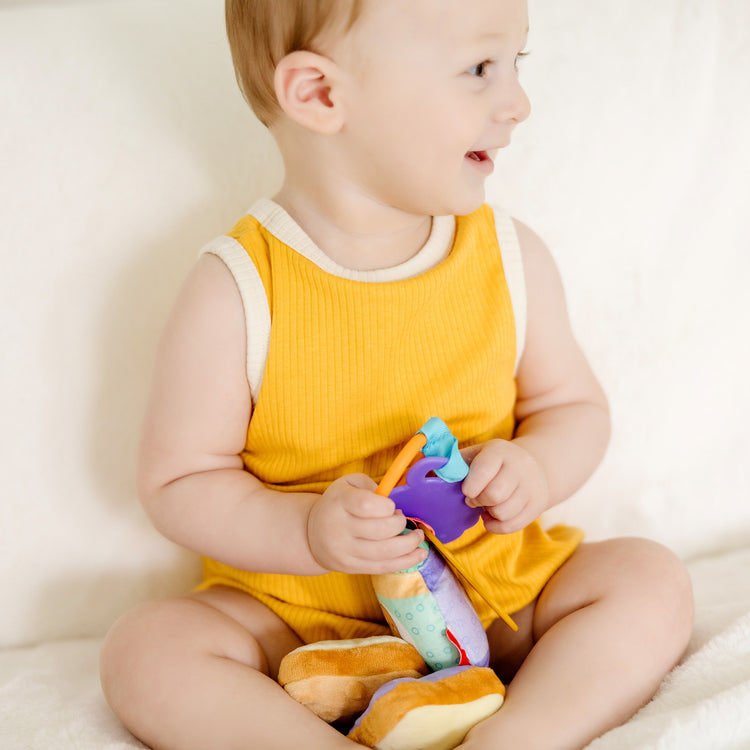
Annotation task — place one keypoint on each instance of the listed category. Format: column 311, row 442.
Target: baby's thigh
column 162, row 646
column 639, row 582
column 274, row 637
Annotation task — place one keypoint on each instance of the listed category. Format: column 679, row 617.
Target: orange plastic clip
column 400, row 464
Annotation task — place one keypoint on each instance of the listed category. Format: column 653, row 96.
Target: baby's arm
column 562, row 413
column 191, row 478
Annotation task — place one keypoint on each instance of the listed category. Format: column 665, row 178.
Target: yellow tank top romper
column 353, row 370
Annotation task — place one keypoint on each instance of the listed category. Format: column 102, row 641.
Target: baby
column 308, row 344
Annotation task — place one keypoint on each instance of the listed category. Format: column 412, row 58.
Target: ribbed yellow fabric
column 353, row 370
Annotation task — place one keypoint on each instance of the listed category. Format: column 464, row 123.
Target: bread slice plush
column 432, row 713
column 337, row 679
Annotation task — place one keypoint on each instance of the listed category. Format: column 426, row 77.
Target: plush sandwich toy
column 429, row 683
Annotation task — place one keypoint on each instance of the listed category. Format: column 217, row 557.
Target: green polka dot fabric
column 420, row 621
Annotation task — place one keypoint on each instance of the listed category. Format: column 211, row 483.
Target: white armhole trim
column 254, row 302
column 514, row 276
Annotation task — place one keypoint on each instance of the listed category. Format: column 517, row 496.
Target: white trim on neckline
column 281, row 225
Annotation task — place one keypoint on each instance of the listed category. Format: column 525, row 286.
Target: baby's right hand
column 350, row 529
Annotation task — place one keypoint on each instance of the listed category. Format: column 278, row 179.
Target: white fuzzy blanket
column 50, row 696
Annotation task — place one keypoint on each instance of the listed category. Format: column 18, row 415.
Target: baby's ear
column 306, row 90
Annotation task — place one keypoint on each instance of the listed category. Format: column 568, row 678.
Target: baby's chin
column 459, row 203
column 464, row 205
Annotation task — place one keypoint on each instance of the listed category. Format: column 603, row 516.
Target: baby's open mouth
column 482, row 161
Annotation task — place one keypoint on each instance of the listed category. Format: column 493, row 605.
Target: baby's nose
column 513, row 103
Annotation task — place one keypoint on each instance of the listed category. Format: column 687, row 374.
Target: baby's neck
column 356, row 233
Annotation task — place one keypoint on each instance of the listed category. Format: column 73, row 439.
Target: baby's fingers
column 364, row 503
column 486, row 477
column 398, row 553
column 508, row 509
column 405, row 562
column 378, row 529
column 505, row 525
column 483, row 468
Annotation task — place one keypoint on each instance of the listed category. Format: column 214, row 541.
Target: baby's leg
column 197, row 673
column 607, row 628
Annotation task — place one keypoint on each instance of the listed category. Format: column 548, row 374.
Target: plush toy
column 427, row 607
column 337, row 679
column 432, row 713
column 429, row 685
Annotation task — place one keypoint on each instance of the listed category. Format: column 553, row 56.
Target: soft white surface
column 125, row 146
column 50, row 697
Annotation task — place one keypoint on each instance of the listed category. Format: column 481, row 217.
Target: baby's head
column 262, row 32
column 403, row 101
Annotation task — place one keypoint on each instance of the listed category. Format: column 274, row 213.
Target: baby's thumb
column 361, row 482
column 470, row 453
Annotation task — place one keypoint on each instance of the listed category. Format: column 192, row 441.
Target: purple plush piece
column 438, row 503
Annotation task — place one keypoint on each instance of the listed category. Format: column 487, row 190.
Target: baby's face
column 431, row 93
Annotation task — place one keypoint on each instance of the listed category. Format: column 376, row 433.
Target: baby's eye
column 480, row 70
column 519, row 56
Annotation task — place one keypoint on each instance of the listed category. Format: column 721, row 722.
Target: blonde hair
column 262, row 32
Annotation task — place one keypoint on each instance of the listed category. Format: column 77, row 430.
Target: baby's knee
column 665, row 589
column 125, row 663
column 154, row 650
column 136, row 654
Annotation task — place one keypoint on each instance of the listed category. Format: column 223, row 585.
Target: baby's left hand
column 508, row 482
